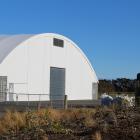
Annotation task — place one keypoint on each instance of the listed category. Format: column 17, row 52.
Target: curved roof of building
column 10, row 42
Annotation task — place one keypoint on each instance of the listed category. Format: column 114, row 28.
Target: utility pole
column 137, row 94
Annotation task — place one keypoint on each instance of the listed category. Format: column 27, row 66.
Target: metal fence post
column 28, row 101
column 39, row 103
column 65, row 102
column 16, row 99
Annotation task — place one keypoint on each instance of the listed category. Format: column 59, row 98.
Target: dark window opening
column 58, row 42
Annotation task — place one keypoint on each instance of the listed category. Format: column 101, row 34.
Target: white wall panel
column 30, row 63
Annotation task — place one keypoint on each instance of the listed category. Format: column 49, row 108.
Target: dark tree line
column 118, row 85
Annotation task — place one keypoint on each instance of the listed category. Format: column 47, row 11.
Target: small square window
column 58, row 42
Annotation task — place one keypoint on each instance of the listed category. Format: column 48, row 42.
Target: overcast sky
column 108, row 31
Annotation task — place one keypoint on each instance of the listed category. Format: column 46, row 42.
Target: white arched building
column 44, row 66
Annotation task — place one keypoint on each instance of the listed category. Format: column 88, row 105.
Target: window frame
column 58, row 42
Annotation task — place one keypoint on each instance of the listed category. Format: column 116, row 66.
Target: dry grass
column 98, row 136
column 97, row 123
column 14, row 122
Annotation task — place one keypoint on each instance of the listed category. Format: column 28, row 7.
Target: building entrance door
column 3, row 88
column 57, row 86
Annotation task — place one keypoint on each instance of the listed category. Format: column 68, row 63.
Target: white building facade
column 43, row 67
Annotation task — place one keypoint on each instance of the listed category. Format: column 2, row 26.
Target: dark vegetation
column 118, row 85
column 101, row 123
